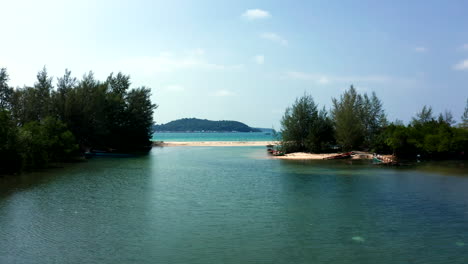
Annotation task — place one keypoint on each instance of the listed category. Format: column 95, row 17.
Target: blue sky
column 249, row 60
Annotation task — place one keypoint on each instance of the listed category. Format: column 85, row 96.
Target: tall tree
column 373, row 118
column 446, row 117
column 116, row 104
column 61, row 97
column 25, row 106
column 321, row 135
column 6, row 92
column 140, row 118
column 347, row 118
column 43, row 89
column 87, row 116
column 424, row 116
column 304, row 128
column 297, row 122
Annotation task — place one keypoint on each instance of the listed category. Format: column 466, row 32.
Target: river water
column 234, row 205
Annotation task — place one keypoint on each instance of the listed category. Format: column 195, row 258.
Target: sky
column 248, row 60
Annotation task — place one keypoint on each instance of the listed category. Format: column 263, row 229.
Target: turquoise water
column 190, row 137
column 234, row 205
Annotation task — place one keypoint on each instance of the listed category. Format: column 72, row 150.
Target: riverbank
column 213, row 144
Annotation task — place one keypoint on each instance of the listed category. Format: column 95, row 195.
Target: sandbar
column 214, row 143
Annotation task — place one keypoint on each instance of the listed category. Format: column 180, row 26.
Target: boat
column 340, row 156
column 277, row 153
column 376, row 160
column 97, row 153
column 382, row 160
column 270, row 148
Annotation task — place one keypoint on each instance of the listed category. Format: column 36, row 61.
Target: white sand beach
column 215, row 144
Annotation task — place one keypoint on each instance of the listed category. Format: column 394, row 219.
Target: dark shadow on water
column 10, row 184
column 447, row 167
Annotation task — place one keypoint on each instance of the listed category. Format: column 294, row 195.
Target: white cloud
column 167, row 62
column 462, row 66
column 274, row 37
column 323, row 80
column 259, row 59
column 420, row 49
column 174, row 88
column 253, row 14
column 223, row 93
column 327, row 79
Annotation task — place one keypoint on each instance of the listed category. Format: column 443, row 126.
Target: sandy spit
column 304, row 156
column 216, row 144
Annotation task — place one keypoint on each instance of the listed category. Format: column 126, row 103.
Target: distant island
column 204, row 125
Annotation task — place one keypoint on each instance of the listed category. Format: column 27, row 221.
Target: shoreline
column 213, row 143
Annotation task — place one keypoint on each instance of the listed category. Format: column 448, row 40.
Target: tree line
column 359, row 122
column 47, row 123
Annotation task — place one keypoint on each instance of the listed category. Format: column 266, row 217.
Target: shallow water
column 234, row 205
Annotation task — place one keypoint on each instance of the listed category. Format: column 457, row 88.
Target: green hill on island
column 199, row 125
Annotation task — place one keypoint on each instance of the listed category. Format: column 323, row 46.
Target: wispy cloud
column 323, row 80
column 461, row 66
column 167, row 62
column 259, row 59
column 223, row 93
column 274, row 37
column 296, row 75
column 174, row 88
column 327, row 79
column 421, row 49
column 252, row 14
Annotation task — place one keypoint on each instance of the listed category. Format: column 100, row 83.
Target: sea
column 212, row 136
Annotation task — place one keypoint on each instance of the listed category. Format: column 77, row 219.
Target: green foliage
column 446, row 117
column 45, row 141
column 373, row 119
column 43, row 89
column 360, row 123
column 359, row 120
column 105, row 115
column 40, row 125
column 6, row 92
column 347, row 116
column 10, row 160
column 195, row 124
column 304, row 128
column 426, row 136
column 139, row 116
column 424, row 116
